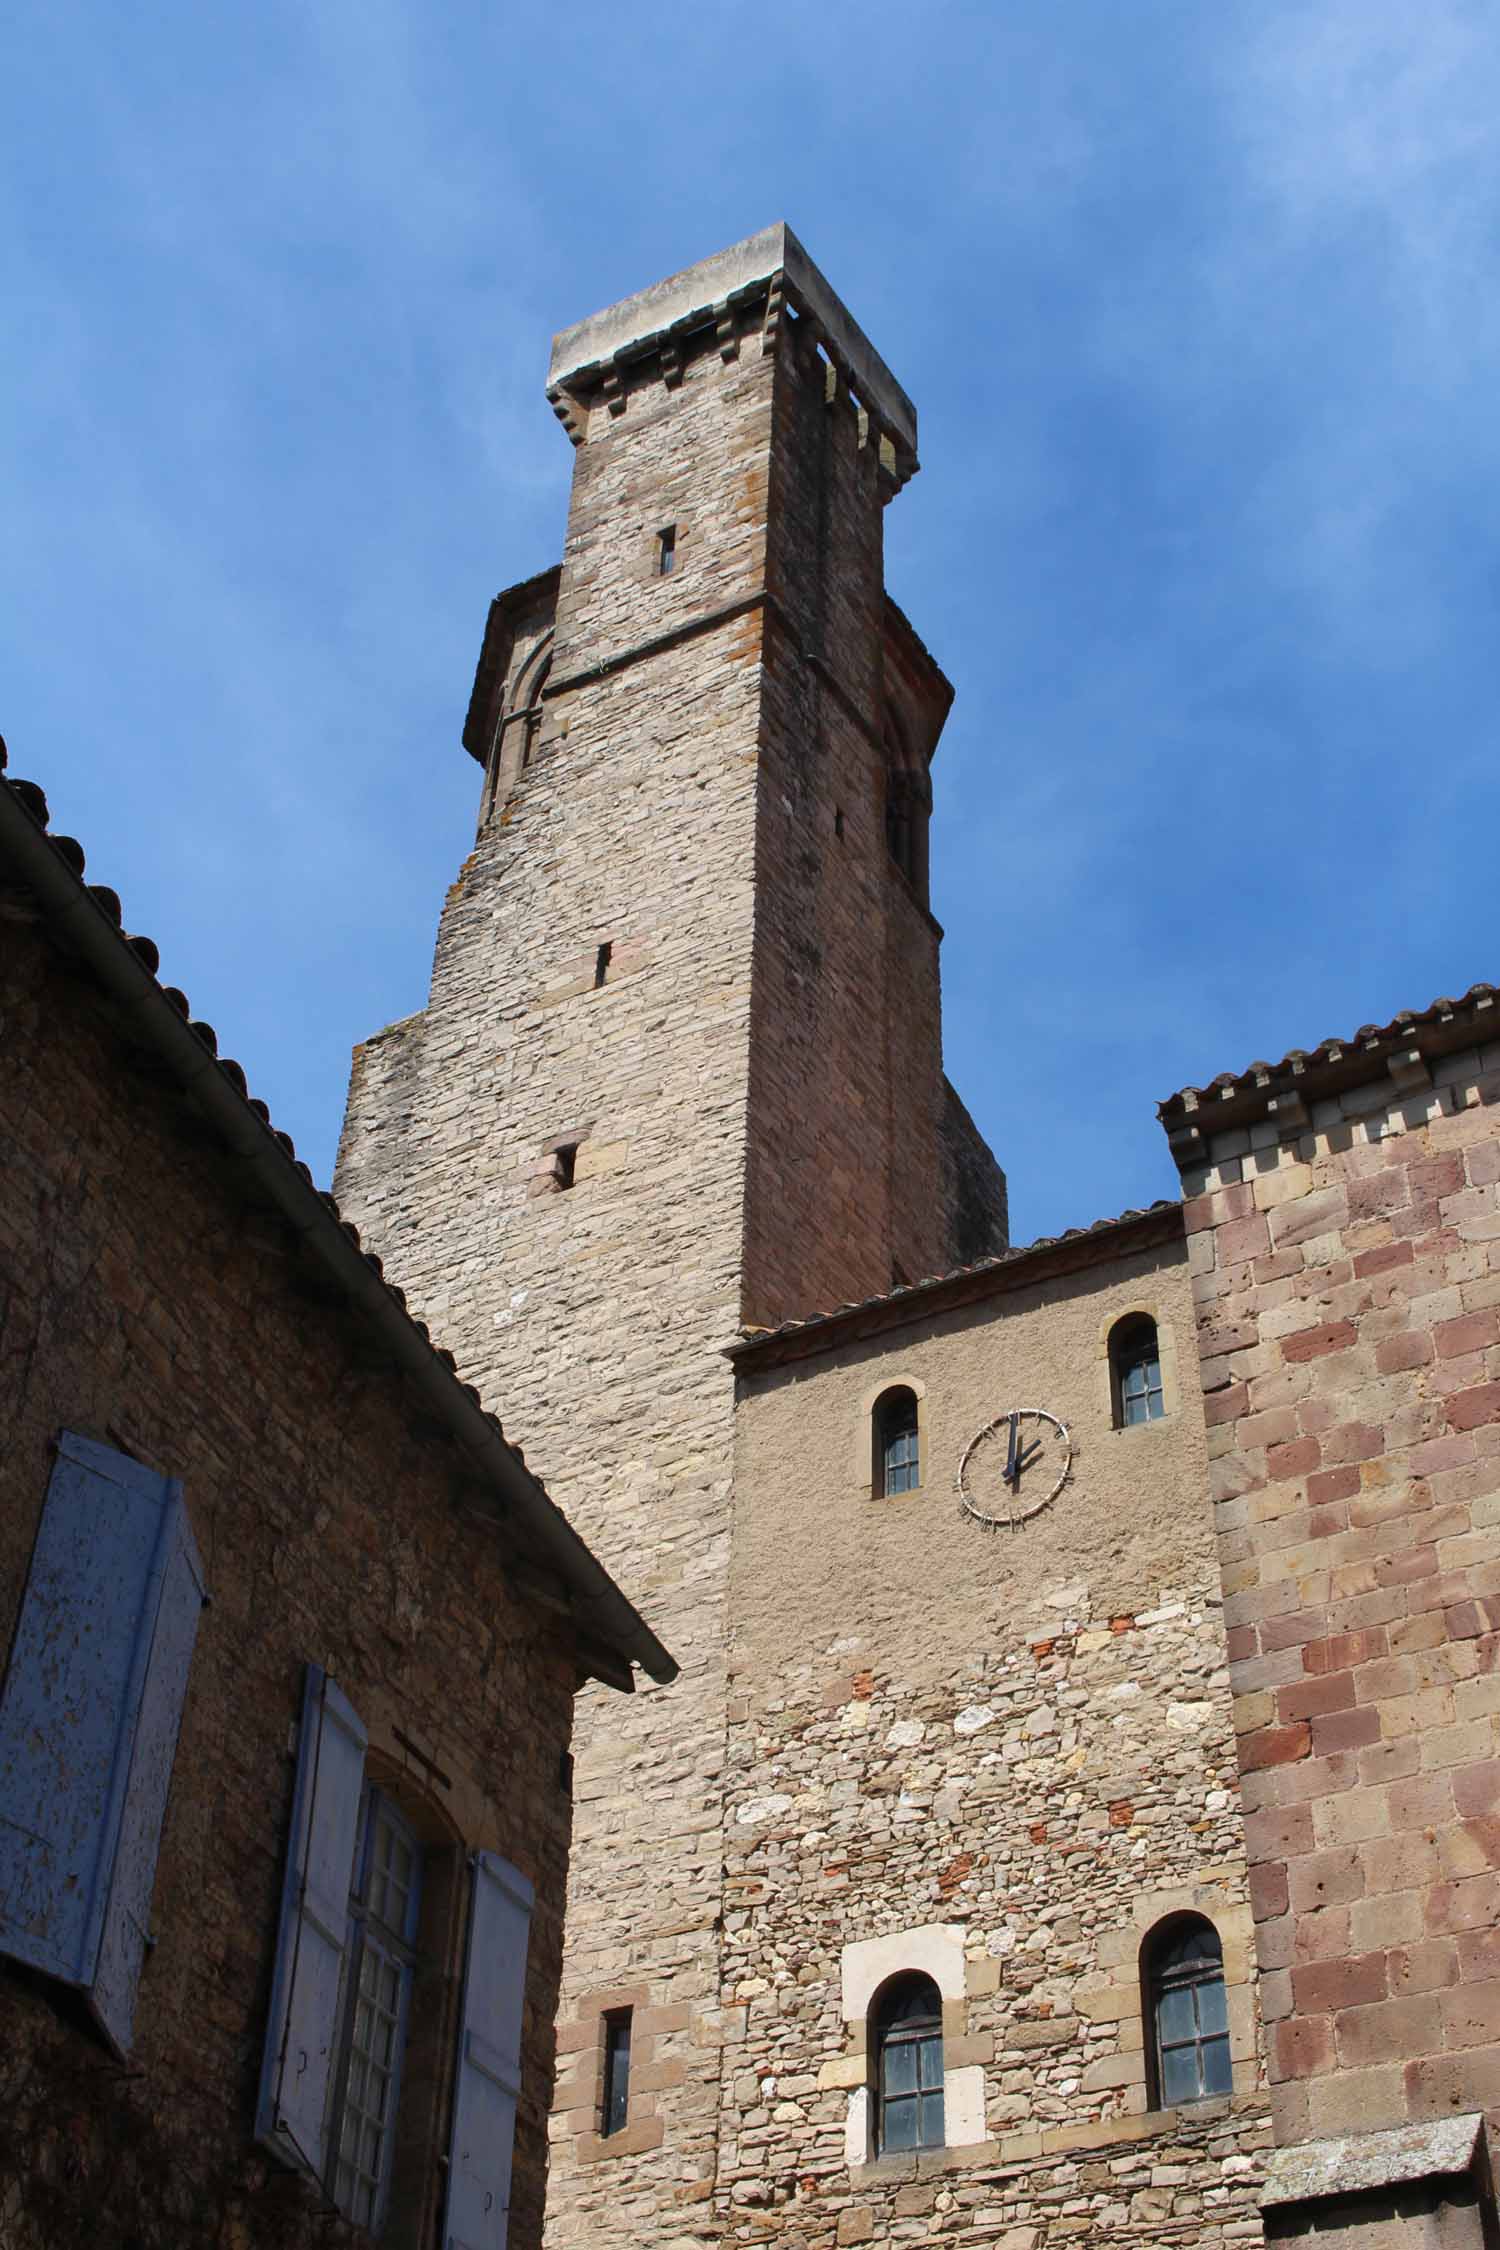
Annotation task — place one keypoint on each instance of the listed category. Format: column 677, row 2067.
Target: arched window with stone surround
column 906, row 2025
column 1187, row 2017
column 896, row 1443
column 517, row 727
column 1135, row 1371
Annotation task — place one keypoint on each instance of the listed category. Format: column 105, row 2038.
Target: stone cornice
column 1282, row 1094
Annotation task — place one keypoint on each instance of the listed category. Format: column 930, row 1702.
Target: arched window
column 516, row 728
column 898, row 1466
column 1135, row 1372
column 1187, row 2021
column 907, row 2027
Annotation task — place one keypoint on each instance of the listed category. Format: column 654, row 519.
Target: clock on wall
column 1014, row 1467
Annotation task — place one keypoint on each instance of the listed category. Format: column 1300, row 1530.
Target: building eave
column 758, row 1351
column 86, row 921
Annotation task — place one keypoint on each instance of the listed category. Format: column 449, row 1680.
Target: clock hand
column 1010, row 1458
column 1024, row 1458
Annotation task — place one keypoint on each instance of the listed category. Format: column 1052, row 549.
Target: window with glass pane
column 1190, row 2020
column 383, row 1908
column 1136, row 1355
column 897, row 1461
column 908, row 2030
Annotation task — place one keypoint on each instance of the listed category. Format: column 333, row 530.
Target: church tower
column 680, row 1069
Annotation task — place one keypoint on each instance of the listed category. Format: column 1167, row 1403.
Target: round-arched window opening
column 897, row 1444
column 1187, row 2016
column 1135, row 1372
column 907, row 2028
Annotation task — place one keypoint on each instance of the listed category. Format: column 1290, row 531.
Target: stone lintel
column 641, row 323
column 1367, row 2163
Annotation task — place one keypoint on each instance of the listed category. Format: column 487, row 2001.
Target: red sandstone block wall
column 1348, row 1304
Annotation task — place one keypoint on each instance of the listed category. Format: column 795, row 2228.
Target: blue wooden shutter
column 314, row 1936
column 489, row 2057
column 88, row 1722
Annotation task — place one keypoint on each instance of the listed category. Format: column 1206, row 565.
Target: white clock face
column 1016, row 1466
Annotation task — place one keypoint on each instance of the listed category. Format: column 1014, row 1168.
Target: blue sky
column 1198, row 307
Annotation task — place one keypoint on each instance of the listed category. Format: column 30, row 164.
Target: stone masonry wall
column 1009, row 1752
column 142, row 1303
column 845, row 1163
column 1345, row 1272
column 711, row 1090
column 978, row 1207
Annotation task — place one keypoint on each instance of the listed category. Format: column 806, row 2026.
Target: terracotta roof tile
column 1439, row 1028
column 32, row 799
column 913, row 1294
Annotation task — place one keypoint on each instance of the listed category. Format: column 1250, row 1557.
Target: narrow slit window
column 602, row 960
column 666, row 551
column 616, row 2102
column 565, row 1164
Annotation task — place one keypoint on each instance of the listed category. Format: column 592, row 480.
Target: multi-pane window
column 1135, row 1363
column 615, row 2105
column 383, row 1908
column 898, row 1466
column 1189, row 2020
column 908, row 2033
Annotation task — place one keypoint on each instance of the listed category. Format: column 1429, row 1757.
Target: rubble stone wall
column 1009, row 1752
column 143, row 1305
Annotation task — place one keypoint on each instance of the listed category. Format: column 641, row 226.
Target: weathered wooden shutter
column 488, row 2078
column 88, row 1723
column 314, row 1934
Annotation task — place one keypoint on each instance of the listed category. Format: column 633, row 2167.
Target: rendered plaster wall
column 143, row 1305
column 728, row 1101
column 1347, row 1278
column 1003, row 1757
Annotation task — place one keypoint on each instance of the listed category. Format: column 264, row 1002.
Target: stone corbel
column 569, row 413
column 770, row 327
column 1409, row 1071
column 612, row 391
column 1288, row 1112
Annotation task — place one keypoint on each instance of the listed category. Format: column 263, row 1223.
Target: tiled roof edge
column 1400, row 1048
column 89, row 919
column 1075, row 1248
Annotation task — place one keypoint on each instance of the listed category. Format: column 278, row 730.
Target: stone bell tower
column 680, row 1069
